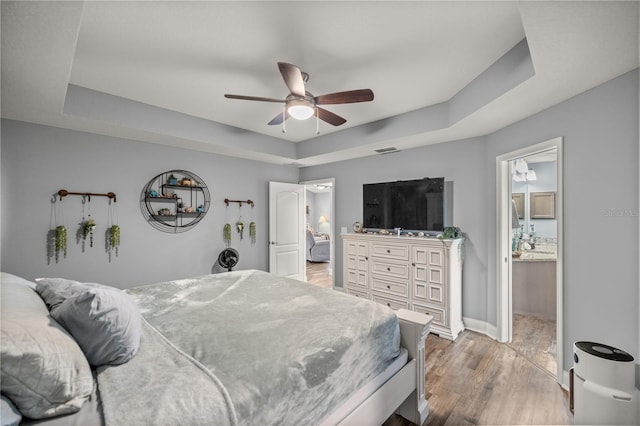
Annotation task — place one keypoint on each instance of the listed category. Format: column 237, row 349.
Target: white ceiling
column 183, row 57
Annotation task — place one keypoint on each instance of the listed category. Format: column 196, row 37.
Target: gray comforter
column 247, row 347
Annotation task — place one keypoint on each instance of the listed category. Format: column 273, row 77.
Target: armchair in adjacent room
column 318, row 248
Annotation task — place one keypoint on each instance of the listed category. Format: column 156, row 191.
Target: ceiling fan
column 301, row 104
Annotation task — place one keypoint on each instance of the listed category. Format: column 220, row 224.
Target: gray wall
column 39, row 160
column 600, row 130
column 319, row 204
column 461, row 162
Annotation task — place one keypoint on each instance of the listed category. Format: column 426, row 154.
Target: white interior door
column 286, row 230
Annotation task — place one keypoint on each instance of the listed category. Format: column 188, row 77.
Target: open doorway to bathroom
column 534, row 243
column 530, row 259
column 319, row 214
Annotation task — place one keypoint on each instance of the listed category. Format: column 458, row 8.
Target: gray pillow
column 54, row 291
column 44, row 371
column 104, row 320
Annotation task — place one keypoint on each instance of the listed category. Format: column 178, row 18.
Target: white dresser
column 417, row 273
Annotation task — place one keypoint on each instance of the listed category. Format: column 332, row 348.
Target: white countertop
column 540, row 252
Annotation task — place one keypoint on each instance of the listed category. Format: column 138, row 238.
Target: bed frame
column 404, row 392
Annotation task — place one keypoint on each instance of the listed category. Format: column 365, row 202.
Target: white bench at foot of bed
column 404, row 392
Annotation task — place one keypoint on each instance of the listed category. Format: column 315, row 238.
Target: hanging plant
column 240, row 227
column 61, row 242
column 113, row 240
column 226, row 233
column 57, row 234
column 112, row 234
column 88, row 226
column 252, row 232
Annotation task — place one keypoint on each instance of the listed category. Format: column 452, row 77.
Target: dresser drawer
column 357, row 292
column 427, row 256
column 428, row 292
column 357, row 279
column 357, row 248
column 390, row 251
column 398, row 270
column 356, row 263
column 439, row 315
column 398, row 288
column 394, row 304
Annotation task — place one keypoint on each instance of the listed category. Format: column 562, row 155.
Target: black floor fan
column 227, row 259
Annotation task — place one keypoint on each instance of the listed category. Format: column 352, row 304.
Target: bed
column 242, row 347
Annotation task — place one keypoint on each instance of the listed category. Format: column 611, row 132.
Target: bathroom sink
column 533, row 255
column 540, row 252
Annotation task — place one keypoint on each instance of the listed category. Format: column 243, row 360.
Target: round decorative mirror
column 174, row 201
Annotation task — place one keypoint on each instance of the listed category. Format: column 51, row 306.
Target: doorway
column 319, row 231
column 533, row 259
column 529, row 245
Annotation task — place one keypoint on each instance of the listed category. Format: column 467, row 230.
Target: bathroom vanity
column 534, row 282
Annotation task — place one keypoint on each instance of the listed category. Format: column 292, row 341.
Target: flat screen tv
column 416, row 205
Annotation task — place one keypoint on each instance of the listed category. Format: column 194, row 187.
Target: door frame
column 332, row 238
column 504, row 315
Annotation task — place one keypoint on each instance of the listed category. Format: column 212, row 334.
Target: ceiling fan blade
column 329, row 117
column 253, row 98
column 293, row 78
column 278, row 118
column 348, row 97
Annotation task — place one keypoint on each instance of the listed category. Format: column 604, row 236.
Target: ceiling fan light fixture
column 300, row 109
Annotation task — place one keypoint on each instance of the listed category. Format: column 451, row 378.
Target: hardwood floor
column 535, row 339
column 319, row 273
column 478, row 381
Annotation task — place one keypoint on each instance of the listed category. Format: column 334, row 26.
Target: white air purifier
column 603, row 385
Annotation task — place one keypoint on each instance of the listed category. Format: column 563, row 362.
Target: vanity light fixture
column 521, row 166
column 522, row 172
column 531, row 174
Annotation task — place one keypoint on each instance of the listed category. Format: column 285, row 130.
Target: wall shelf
column 163, row 201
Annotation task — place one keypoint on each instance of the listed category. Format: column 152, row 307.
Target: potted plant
column 240, row 227
column 226, row 234
column 252, row 232
column 173, row 180
column 61, row 242
column 88, row 226
column 113, row 240
column 453, row 232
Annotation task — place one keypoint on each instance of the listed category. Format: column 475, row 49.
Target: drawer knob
column 388, row 251
column 388, row 304
column 413, row 264
column 389, row 287
column 388, row 269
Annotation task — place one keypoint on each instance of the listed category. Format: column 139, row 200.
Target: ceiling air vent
column 387, row 150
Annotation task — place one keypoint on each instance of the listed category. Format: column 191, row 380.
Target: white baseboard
column 565, row 380
column 481, row 327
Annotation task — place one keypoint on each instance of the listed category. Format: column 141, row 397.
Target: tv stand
column 422, row 274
